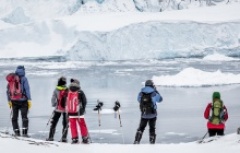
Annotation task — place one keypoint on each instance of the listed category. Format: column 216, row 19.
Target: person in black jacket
column 76, row 104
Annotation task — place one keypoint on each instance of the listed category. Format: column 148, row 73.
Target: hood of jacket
column 148, row 89
column 20, row 71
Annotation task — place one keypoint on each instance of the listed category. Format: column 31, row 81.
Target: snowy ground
column 230, row 143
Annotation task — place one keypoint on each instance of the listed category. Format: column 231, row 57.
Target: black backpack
column 146, row 105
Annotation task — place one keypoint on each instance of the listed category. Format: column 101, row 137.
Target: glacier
column 78, row 35
column 151, row 40
column 157, row 40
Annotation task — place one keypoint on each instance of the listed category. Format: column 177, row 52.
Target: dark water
column 180, row 115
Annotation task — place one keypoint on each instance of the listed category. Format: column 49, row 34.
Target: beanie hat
column 216, row 95
column 74, row 84
column 62, row 81
column 149, row 83
column 72, row 80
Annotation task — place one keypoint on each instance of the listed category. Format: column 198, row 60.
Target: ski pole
column 203, row 137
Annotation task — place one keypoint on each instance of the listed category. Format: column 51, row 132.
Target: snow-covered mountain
column 122, row 35
column 22, row 11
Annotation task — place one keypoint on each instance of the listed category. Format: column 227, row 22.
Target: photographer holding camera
column 148, row 97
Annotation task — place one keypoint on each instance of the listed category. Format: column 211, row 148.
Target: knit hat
column 72, row 80
column 74, row 84
column 62, row 81
column 216, row 95
column 149, row 83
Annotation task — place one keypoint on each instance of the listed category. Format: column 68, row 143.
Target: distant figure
column 216, row 114
column 148, row 97
column 58, row 100
column 19, row 99
column 75, row 108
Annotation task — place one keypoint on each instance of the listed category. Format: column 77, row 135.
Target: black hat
column 62, row 81
column 149, row 83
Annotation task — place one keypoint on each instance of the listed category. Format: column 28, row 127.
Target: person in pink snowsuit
column 76, row 104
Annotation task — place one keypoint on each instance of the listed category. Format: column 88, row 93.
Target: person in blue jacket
column 148, row 97
column 22, row 103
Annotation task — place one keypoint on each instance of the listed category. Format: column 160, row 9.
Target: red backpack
column 73, row 104
column 14, row 86
column 61, row 100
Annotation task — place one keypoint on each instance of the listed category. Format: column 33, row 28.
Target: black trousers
column 152, row 125
column 54, row 121
column 213, row 132
column 23, row 108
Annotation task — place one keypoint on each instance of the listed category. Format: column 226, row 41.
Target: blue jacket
column 20, row 71
column 156, row 98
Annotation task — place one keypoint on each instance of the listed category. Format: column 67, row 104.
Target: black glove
column 117, row 106
column 82, row 111
column 98, row 106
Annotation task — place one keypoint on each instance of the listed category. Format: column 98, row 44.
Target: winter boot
column 152, row 138
column 25, row 133
column 16, row 132
column 63, row 140
column 85, row 140
column 74, row 140
column 138, row 137
column 51, row 135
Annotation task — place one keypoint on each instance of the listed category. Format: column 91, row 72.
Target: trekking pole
column 50, row 118
column 200, row 141
column 49, row 121
column 7, row 131
column 119, row 118
column 98, row 108
column 116, row 109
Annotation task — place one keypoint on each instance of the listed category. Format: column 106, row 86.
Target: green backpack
column 217, row 112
